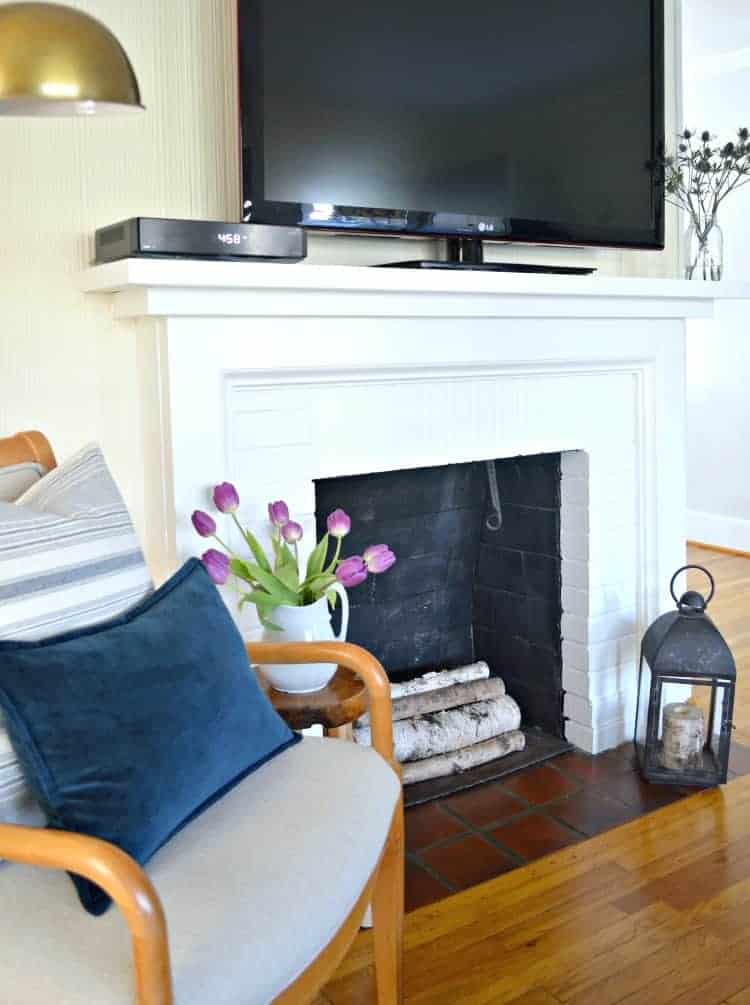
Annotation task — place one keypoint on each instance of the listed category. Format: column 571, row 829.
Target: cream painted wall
column 65, row 366
column 716, row 88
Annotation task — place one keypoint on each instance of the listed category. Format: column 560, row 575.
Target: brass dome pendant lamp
column 55, row 60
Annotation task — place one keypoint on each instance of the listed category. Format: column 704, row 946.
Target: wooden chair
column 135, row 895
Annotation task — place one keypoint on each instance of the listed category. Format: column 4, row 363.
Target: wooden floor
column 730, row 611
column 655, row 911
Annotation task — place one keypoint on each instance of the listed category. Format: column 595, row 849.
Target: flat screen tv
column 503, row 120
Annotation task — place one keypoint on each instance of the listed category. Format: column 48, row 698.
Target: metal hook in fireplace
column 495, row 520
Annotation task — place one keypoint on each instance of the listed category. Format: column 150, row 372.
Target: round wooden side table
column 335, row 707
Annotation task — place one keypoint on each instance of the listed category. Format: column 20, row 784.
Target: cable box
column 152, row 237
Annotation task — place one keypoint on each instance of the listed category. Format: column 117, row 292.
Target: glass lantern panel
column 644, row 694
column 719, row 713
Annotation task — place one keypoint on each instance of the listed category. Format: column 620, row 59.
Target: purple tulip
column 378, row 558
column 217, row 565
column 291, row 532
column 278, row 513
column 204, row 523
column 339, row 523
column 352, row 571
column 226, row 499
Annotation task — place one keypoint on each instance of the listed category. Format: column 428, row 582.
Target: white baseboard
column 720, row 531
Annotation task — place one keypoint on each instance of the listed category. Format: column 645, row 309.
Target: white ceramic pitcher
column 304, row 624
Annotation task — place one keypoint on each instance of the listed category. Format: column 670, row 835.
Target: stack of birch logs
column 449, row 721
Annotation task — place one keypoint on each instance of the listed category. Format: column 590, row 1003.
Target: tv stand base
column 555, row 270
column 468, row 253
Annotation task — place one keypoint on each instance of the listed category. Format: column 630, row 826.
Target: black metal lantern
column 676, row 743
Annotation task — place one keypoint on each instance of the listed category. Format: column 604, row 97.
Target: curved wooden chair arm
column 29, row 446
column 353, row 658
column 119, row 876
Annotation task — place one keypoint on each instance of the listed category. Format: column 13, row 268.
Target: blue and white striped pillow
column 69, row 558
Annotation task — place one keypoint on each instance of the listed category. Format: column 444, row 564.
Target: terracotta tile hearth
column 461, row 840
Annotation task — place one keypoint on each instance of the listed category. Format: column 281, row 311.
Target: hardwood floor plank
column 726, row 980
column 537, row 996
column 615, row 949
column 656, row 977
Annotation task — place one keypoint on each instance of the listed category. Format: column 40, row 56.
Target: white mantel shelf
column 184, row 288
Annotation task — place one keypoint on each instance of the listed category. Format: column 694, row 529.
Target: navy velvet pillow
column 128, row 730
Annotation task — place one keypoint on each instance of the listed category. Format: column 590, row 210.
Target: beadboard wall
column 65, row 365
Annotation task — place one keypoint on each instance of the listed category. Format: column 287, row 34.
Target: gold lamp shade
column 58, row 61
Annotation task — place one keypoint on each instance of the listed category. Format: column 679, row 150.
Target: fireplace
column 478, row 575
column 279, row 378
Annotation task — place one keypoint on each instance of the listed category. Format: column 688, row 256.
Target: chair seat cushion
column 253, row 889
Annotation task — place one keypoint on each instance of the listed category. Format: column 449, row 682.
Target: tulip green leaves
column 276, row 582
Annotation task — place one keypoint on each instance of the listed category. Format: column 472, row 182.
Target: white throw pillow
column 69, row 558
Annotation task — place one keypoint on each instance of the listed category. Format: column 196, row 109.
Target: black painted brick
column 530, row 481
column 525, row 528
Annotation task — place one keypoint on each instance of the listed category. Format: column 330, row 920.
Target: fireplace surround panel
column 279, row 377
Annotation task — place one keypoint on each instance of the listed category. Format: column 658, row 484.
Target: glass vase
column 704, row 251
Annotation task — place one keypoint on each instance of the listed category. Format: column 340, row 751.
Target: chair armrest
column 364, row 664
column 119, row 876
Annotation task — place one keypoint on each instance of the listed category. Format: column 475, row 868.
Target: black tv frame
column 468, row 230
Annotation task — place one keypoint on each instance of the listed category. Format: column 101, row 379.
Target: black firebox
column 477, row 576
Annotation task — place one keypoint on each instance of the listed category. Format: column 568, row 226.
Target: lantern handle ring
column 700, row 568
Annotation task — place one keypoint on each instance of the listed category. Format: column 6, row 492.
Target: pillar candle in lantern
column 683, row 736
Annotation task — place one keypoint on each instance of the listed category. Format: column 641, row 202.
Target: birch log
column 441, row 678
column 461, row 760
column 442, row 698
column 440, row 732
column 683, row 736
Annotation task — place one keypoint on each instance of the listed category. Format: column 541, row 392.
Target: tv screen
column 527, row 120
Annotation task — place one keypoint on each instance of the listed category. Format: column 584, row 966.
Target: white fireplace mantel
column 273, row 376
column 183, row 288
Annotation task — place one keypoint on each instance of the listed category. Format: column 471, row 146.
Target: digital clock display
column 230, row 237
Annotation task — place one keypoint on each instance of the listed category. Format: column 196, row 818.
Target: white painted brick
column 596, row 712
column 613, row 552
column 575, row 573
column 576, row 681
column 604, row 628
column 574, row 519
column 610, row 597
column 595, row 741
column 574, row 546
column 599, row 600
column 601, row 656
column 575, row 601
column 574, row 491
column 610, row 735
column 578, row 709
column 601, row 684
column 575, row 463
column 580, row 736
column 613, row 625
column 574, row 628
